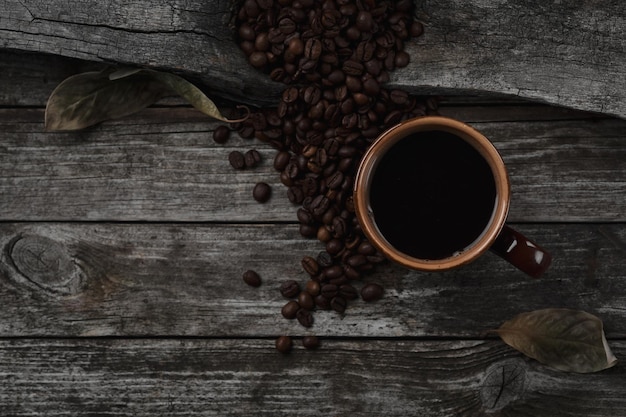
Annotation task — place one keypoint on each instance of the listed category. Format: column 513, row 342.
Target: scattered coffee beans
column 252, row 278
column 290, row 288
column 284, row 344
column 261, row 192
column 310, row 342
column 371, row 292
column 236, row 160
column 252, row 158
column 335, row 57
column 306, row 300
column 290, row 310
column 305, row 317
column 221, row 134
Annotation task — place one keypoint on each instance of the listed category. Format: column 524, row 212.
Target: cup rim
column 389, row 138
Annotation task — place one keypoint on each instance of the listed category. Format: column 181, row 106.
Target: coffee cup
column 433, row 194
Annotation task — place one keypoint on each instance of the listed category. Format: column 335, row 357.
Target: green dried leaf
column 86, row 99
column 568, row 340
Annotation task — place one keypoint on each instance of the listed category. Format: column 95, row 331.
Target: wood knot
column 47, row 264
column 504, row 383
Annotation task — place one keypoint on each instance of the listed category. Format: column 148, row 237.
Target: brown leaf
column 85, row 99
column 89, row 98
column 568, row 340
column 193, row 95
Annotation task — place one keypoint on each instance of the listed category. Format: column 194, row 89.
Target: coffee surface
column 432, row 195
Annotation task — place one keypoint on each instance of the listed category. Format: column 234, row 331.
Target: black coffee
column 432, row 195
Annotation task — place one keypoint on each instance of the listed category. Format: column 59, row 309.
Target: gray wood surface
column 86, row 279
column 162, row 165
column 241, row 377
column 121, row 257
column 561, row 53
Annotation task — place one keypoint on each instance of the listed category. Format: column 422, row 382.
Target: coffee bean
column 366, row 248
column 295, row 194
column 304, row 217
column 334, row 246
column 252, row 278
column 221, row 134
column 324, row 259
column 351, row 273
column 262, row 43
column 339, row 281
column 295, row 46
column 252, row 158
column 313, row 49
column 323, row 234
column 284, row 344
column 416, row 29
column 236, row 160
column 329, row 290
column 304, row 317
column 262, row 192
column 290, row 288
column 333, row 271
column 322, row 303
column 258, row 59
column 290, row 309
column 352, row 67
column 287, row 26
column 371, row 87
column 313, row 287
column 310, row 342
column 371, row 292
column 290, row 95
column 281, row 160
column 246, row 32
column 348, row 292
column 401, row 59
column 307, row 230
column 312, row 95
column 338, row 304
column 356, row 261
column 364, row 21
column 310, row 265
column 306, row 300
column 278, row 74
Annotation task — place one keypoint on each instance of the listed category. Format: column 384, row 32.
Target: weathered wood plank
column 171, row 280
column 183, row 35
column 162, row 165
column 248, row 377
column 31, row 78
column 563, row 54
column 28, row 78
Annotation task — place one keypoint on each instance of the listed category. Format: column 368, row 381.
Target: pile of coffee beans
column 334, row 57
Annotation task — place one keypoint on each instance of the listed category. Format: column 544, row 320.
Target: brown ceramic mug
column 433, row 194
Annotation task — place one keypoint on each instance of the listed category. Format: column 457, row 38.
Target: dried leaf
column 568, row 340
column 86, row 99
column 124, row 72
column 193, row 95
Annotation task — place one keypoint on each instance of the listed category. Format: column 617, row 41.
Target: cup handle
column 521, row 252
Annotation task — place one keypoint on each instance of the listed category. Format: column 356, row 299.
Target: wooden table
column 123, row 247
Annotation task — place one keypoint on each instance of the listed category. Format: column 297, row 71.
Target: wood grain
column 162, row 165
column 560, row 53
column 104, row 314
column 186, row 280
column 238, row 377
